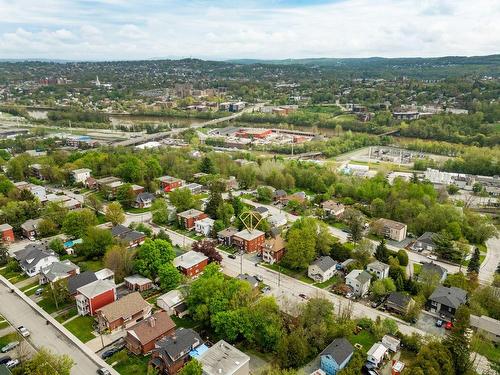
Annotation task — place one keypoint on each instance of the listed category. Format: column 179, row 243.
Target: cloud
column 119, row 29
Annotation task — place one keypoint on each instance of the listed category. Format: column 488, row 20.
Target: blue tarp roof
column 198, row 351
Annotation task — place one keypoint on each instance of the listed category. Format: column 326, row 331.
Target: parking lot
column 427, row 323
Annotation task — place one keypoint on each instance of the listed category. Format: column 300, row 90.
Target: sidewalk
column 96, row 344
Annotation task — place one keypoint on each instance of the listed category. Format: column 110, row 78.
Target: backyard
column 81, row 327
column 128, row 364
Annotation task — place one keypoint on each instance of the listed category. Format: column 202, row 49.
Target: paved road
column 491, row 262
column 18, row 312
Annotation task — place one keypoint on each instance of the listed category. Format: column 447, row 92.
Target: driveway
column 491, row 261
column 427, row 323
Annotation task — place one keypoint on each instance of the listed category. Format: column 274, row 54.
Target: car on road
column 439, row 323
column 39, row 292
column 375, row 304
column 103, row 371
column 12, row 363
column 23, row 331
column 302, row 295
column 448, row 325
column 259, row 278
column 432, row 257
column 231, row 256
column 11, row 345
column 266, row 289
column 108, row 353
column 4, row 360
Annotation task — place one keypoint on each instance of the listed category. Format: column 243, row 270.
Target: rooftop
column 340, row 349
column 151, row 328
column 222, row 358
column 172, row 298
column 324, row 263
column 452, row 297
column 96, row 288
column 192, row 213
column 128, row 305
column 391, row 223
column 249, row 235
column 379, row 266
column 137, row 280
column 189, row 259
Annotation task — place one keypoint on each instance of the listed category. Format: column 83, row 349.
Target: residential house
column 187, row 219
column 430, row 268
column 137, row 189
column 446, row 301
column 333, row 209
column 29, row 228
column 109, row 185
column 65, row 201
column 36, row 171
column 172, row 352
column 34, row 257
column 254, row 283
column 391, row 343
column 336, row 356
column 91, row 183
column 79, row 280
column 7, row 233
column 38, row 191
column 91, row 297
column 169, row 183
column 123, row 313
column 223, row 358
column 262, row 211
column 273, row 249
column 249, row 241
column 138, row 283
column 231, row 183
column 144, row 200
column 391, row 229
column 277, row 220
column 377, row 354
column 322, row 269
column 487, row 327
column 191, row 263
column 399, row 303
column 204, row 226
column 225, row 236
column 58, row 271
column 130, row 237
column 425, row 242
column 141, row 337
column 299, row 197
column 379, row 269
column 359, row 281
column 279, row 195
column 194, row 188
column 173, row 303
column 79, row 176
column 105, row 274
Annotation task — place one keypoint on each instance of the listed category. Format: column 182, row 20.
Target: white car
column 432, row 257
column 23, row 331
column 12, row 363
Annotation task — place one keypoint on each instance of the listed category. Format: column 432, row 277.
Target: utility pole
column 279, row 275
column 241, row 262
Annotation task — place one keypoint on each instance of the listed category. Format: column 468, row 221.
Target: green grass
column 66, row 315
column 129, row 364
column 17, row 278
column 299, row 275
column 91, row 265
column 134, row 210
column 4, row 340
column 227, row 249
column 364, row 338
column 487, row 349
column 328, row 283
column 29, row 286
column 184, row 322
column 50, row 307
column 82, row 328
column 4, row 324
column 417, row 268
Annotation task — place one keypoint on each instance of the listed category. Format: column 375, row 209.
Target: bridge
column 305, row 155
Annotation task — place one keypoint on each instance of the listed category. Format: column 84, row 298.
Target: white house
column 204, row 226
column 381, row 270
column 322, row 269
column 173, row 303
column 79, row 176
column 391, row 343
column 359, row 281
column 33, row 258
column 377, row 353
column 277, row 220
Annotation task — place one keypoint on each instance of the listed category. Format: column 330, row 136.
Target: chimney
column 152, row 321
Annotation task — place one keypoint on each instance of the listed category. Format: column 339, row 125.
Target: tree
column 76, row 222
column 277, row 371
column 44, row 362
column 182, row 199
column 193, row 367
column 93, row 202
column 402, row 258
column 46, row 228
column 4, row 254
column 301, row 248
column 207, row 248
column 125, row 195
column 477, row 187
column 115, row 213
column 264, row 194
column 381, row 252
column 215, row 198
column 159, row 211
column 169, row 276
column 445, row 247
column 458, row 343
column 95, row 242
column 354, row 221
column 293, row 349
column 225, row 212
column 339, row 252
column 151, row 255
column 207, row 166
column 55, row 211
column 355, row 365
column 434, row 359
column 452, row 189
column 474, row 262
column 57, row 246
column 57, row 292
column 363, row 252
column 120, row 260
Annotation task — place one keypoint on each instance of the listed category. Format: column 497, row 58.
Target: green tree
column 225, row 212
column 120, row 260
column 363, row 252
column 57, row 246
column 44, row 362
column 169, row 277
column 458, row 343
column 293, row 349
column 95, row 242
column 4, row 254
column 215, row 198
column 47, row 228
column 93, row 201
column 125, row 195
column 151, row 255
column 159, row 211
column 55, row 211
column 114, row 213
column 474, row 262
column 193, row 367
column 76, row 222
column 182, row 199
column 452, row 189
column 354, row 221
column 264, row 194
column 207, row 166
column 445, row 247
column 381, row 252
column 301, row 248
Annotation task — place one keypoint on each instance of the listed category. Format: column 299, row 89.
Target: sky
column 256, row 29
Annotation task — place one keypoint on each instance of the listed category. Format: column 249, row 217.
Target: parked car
column 11, row 345
column 231, row 256
column 23, row 331
column 376, row 304
column 39, row 292
column 439, row 323
column 302, row 295
column 432, row 257
column 108, row 353
column 448, row 325
column 103, row 371
column 259, row 278
column 4, row 360
column 266, row 289
column 12, row 363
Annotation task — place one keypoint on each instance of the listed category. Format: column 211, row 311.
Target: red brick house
column 169, row 183
column 7, row 233
column 273, row 249
column 123, row 313
column 191, row 263
column 138, row 283
column 249, row 241
column 141, row 338
column 189, row 217
column 93, row 296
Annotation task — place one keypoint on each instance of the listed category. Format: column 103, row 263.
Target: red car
column 448, row 325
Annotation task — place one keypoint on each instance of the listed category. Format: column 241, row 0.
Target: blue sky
column 273, row 29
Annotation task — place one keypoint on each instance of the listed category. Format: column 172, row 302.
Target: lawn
column 128, row 364
column 487, row 348
column 364, row 338
column 4, row 340
column 91, row 265
column 66, row 315
column 3, row 324
column 82, row 327
column 29, row 286
column 16, row 277
column 417, row 268
column 134, row 210
column 299, row 275
column 184, row 322
column 328, row 283
column 50, row 307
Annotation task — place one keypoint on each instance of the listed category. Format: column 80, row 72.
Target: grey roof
column 280, row 193
column 119, row 229
column 80, row 280
column 5, row 226
column 31, row 224
column 363, row 277
column 31, row 255
column 399, row 299
column 339, row 349
column 433, row 267
column 228, row 232
column 20, row 255
column 451, row 297
column 379, row 266
column 59, row 269
column 261, row 209
column 324, row 263
column 485, row 323
column 249, row 235
column 126, row 234
column 183, row 341
column 96, row 288
column 427, row 238
column 142, row 197
column 222, row 358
